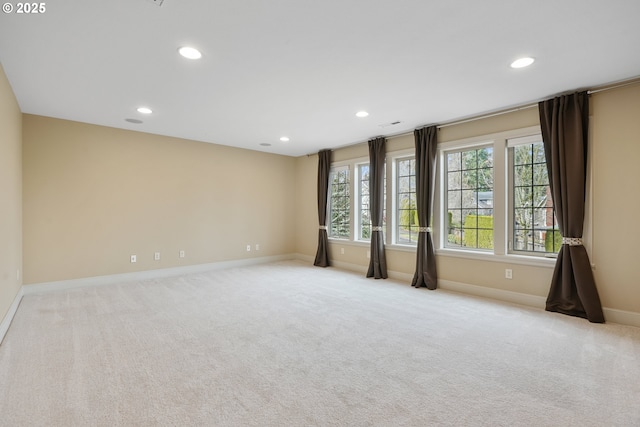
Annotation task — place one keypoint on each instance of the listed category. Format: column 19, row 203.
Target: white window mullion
column 530, row 203
column 389, row 202
column 353, row 176
column 500, row 191
column 339, row 190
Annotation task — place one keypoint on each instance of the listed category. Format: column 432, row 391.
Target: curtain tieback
column 323, row 227
column 572, row 241
column 377, row 228
column 424, row 230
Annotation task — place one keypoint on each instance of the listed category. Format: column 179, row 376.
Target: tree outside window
column 469, row 198
column 339, row 204
column 407, row 213
column 534, row 223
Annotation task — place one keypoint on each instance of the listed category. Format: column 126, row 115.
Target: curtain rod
column 486, row 116
column 623, row 83
column 604, row 88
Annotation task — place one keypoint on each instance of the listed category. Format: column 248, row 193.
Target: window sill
column 367, row 243
column 401, row 248
column 535, row 261
column 347, row 242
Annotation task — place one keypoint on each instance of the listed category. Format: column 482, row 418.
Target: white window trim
column 443, row 180
column 512, row 143
column 524, row 140
column 357, row 196
column 500, row 253
column 392, row 158
column 336, row 166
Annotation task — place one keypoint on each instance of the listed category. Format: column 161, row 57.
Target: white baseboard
column 493, row 293
column 481, row 291
column 395, row 275
column 8, row 318
column 622, row 317
column 348, row 266
column 305, row 258
column 46, row 287
column 611, row 315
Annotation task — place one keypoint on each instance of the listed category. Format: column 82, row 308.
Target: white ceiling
column 303, row 68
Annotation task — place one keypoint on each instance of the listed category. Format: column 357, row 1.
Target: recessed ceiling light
column 284, row 139
column 144, row 110
column 190, row 52
column 362, row 114
column 522, row 62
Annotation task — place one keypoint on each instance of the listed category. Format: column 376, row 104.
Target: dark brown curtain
column 377, row 261
column 565, row 124
column 426, row 149
column 324, row 165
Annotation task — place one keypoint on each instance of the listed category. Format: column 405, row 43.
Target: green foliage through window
column 534, row 223
column 339, row 204
column 407, row 214
column 469, row 198
column 478, row 232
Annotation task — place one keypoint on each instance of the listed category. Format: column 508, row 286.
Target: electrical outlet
column 134, row 258
column 181, row 254
column 248, row 248
column 508, row 273
column 257, row 246
column 156, row 256
column 341, row 251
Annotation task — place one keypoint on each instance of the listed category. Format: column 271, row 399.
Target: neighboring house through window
column 533, row 225
column 493, row 198
column 469, row 198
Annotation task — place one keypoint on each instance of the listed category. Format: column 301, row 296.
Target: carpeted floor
column 286, row 344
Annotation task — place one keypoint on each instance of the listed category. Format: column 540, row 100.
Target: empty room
column 296, row 213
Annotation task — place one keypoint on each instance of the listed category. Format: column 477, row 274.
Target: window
column 493, row 199
column 364, row 208
column 469, row 198
column 533, row 225
column 363, row 192
column 406, row 205
column 339, row 203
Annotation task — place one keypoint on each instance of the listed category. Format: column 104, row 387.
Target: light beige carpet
column 287, row 344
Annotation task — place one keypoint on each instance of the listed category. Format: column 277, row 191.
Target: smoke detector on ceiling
column 157, row 2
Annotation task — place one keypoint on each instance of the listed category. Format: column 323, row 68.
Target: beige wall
column 94, row 195
column 306, row 205
column 615, row 157
column 10, row 195
column 615, row 151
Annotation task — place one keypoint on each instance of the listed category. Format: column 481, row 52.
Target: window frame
column 511, row 144
column 396, row 194
column 502, row 221
column 335, row 167
column 501, row 197
column 358, row 192
column 391, row 238
column 446, row 190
